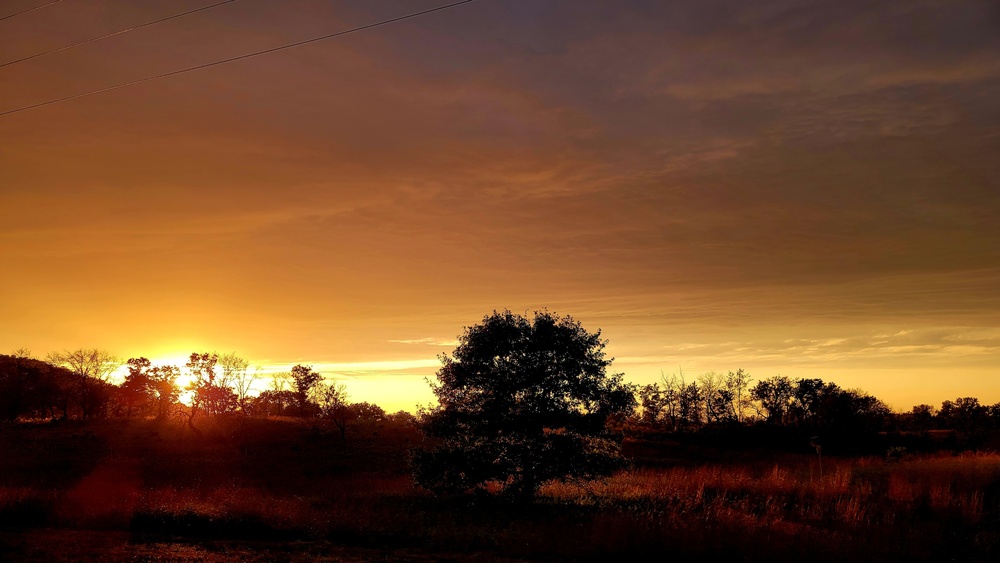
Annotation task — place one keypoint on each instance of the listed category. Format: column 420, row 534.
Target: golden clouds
column 648, row 168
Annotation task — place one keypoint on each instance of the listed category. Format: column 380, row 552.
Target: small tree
column 333, row 406
column 93, row 369
column 274, row 403
column 305, row 380
column 652, row 402
column 710, row 384
column 148, row 388
column 672, row 388
column 690, row 406
column 521, row 402
column 737, row 385
column 201, row 368
column 235, row 374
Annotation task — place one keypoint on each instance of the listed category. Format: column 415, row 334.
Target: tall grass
column 921, row 507
column 851, row 492
column 289, row 484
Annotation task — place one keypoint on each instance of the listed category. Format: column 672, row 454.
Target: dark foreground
column 284, row 490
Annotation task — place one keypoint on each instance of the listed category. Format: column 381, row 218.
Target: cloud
column 362, row 368
column 950, row 346
column 428, row 341
column 654, row 166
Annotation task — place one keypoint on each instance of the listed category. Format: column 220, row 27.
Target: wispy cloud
column 950, row 345
column 427, row 341
column 361, row 368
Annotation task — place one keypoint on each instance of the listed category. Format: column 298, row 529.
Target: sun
column 184, row 380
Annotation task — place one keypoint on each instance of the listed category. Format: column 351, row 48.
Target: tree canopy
column 521, row 402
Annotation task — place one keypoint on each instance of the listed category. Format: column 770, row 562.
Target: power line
column 238, row 58
column 29, row 10
column 119, row 32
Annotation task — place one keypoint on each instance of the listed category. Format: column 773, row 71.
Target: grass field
column 265, row 490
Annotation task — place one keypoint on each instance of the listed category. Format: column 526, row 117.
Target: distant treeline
column 717, row 400
column 76, row 385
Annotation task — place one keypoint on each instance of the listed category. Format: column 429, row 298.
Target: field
column 287, row 490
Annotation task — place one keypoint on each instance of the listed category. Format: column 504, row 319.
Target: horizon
column 404, row 385
column 809, row 190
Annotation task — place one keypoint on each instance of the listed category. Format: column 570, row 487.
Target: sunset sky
column 799, row 188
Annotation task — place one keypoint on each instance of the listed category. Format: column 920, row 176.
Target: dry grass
column 855, row 492
column 923, row 508
column 286, row 484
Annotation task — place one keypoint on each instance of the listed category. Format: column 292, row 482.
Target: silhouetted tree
column 966, row 415
column 281, row 381
column 218, row 399
column 133, row 396
column 305, row 380
column 237, row 376
column 275, row 403
column 689, row 407
column 721, row 404
column 403, row 418
column 774, row 396
column 737, row 384
column 201, row 368
column 16, row 378
column 163, row 381
column 521, row 402
column 149, row 389
column 676, row 405
column 333, row 406
column 210, row 391
column 366, row 415
column 652, row 402
column 807, row 395
column 849, row 411
column 672, row 386
column 994, row 412
column 919, row 419
column 344, row 415
column 711, row 384
column 92, row 368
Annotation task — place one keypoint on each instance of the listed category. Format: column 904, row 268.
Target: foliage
column 965, row 414
column 92, row 368
column 236, row 375
column 333, row 406
column 148, row 389
column 33, row 388
column 275, row 403
column 522, row 402
column 737, row 384
column 345, row 415
column 678, row 406
column 305, row 380
column 774, row 395
column 808, row 404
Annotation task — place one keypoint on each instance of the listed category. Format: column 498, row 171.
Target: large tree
column 521, row 402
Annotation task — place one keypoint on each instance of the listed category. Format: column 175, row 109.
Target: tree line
column 77, row 385
column 715, row 400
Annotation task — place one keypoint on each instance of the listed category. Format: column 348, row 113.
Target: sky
column 791, row 187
